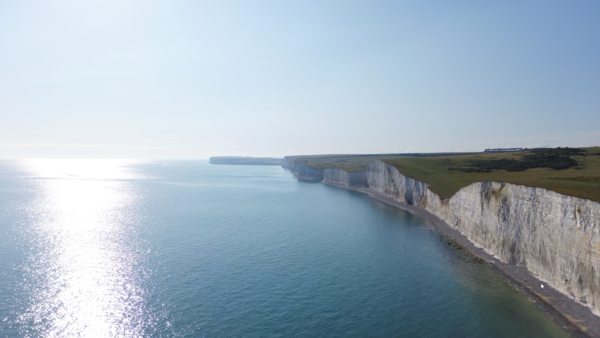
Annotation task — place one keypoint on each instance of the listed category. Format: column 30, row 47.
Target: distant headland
column 240, row 160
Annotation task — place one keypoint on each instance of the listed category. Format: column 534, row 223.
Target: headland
column 533, row 215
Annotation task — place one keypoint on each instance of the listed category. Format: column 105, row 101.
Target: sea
column 120, row 248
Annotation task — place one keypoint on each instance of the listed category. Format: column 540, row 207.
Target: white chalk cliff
column 555, row 236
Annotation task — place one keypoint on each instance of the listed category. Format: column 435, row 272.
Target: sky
column 192, row 79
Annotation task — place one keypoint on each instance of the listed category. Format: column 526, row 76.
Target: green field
column 581, row 180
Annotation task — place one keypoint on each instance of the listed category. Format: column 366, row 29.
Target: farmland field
column 446, row 173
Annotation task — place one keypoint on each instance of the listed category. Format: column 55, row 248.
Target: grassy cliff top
column 575, row 173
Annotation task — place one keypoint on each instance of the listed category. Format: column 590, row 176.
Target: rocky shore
column 531, row 236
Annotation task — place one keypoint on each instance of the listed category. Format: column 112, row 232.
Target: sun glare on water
column 84, row 269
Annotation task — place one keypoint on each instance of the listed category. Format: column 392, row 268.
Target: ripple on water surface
column 98, row 248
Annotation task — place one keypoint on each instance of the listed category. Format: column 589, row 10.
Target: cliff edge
column 555, row 237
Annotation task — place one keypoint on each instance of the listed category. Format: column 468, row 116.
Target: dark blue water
column 185, row 249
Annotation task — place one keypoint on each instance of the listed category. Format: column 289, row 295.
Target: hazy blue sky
column 192, row 79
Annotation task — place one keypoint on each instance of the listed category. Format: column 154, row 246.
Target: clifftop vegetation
column 569, row 171
column 557, row 158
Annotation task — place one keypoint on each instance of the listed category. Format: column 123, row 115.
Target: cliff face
column 335, row 176
column 555, row 236
column 301, row 171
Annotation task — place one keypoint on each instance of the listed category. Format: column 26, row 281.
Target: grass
column 580, row 181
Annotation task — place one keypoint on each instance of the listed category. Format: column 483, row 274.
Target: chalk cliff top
column 569, row 171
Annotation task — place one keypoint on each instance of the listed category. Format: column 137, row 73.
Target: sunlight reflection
column 81, row 168
column 85, row 267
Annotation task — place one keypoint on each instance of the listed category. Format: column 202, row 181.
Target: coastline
column 577, row 319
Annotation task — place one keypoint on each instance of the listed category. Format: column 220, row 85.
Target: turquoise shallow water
column 185, row 249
